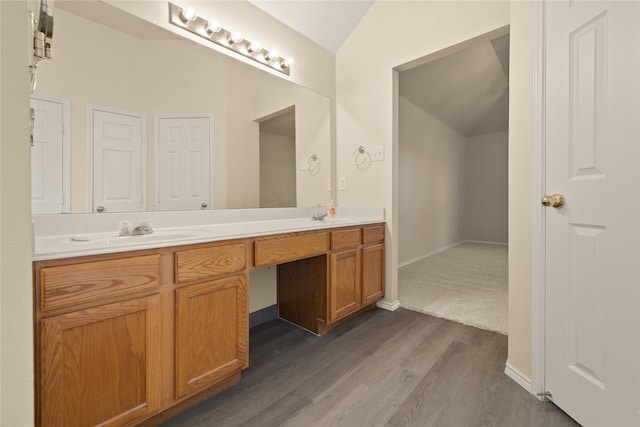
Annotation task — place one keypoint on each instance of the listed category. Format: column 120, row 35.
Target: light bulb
column 188, row 15
column 286, row 63
column 254, row 47
column 235, row 37
column 213, row 26
column 271, row 55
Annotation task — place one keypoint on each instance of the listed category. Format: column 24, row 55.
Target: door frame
column 156, row 133
column 66, row 145
column 538, row 234
column 143, row 151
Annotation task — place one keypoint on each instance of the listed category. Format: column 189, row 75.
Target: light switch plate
column 342, row 183
column 304, row 165
column 377, row 153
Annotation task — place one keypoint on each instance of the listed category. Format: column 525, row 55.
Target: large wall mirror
column 132, row 117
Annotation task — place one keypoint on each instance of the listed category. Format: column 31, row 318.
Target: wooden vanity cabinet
column 345, row 287
column 134, row 337
column 98, row 361
column 372, row 263
column 357, row 269
column 212, row 323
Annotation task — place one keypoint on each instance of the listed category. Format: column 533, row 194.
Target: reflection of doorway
column 117, row 159
column 183, row 147
column 278, row 160
column 453, row 176
column 50, row 155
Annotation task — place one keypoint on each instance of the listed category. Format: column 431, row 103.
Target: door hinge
column 62, row 128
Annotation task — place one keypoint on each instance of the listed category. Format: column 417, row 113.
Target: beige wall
column 485, row 188
column 430, row 184
column 277, row 170
column 520, row 185
column 16, row 313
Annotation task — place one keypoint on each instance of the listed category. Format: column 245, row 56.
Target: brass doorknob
column 555, row 201
column 100, row 208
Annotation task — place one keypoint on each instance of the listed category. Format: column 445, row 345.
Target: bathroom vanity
column 134, row 334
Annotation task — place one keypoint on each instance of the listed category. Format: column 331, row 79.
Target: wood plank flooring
column 382, row 368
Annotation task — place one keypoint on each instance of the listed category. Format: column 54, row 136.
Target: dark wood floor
column 382, row 368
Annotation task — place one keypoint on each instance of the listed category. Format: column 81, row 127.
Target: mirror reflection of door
column 118, row 138
column 50, row 156
column 183, row 147
column 278, row 160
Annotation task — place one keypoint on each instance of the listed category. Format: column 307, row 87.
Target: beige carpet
column 466, row 284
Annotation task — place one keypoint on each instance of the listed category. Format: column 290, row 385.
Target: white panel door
column 47, row 161
column 183, row 163
column 118, row 140
column 592, row 244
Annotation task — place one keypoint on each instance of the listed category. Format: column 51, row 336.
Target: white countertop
column 63, row 236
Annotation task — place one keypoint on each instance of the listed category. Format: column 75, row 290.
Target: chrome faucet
column 318, row 216
column 143, row 228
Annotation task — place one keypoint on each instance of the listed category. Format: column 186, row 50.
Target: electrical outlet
column 342, row 183
column 377, row 153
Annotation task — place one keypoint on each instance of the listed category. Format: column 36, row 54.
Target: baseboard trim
column 518, row 377
column 263, row 315
column 486, row 242
column 390, row 306
column 437, row 251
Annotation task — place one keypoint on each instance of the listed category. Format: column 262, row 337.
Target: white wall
column 16, row 305
column 430, row 177
column 486, row 187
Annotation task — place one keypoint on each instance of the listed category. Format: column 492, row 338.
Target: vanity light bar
column 211, row 30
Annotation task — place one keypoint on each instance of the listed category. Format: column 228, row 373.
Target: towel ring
column 313, row 163
column 360, row 156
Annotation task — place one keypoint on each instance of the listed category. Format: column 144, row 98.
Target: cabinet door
column 212, row 333
column 100, row 366
column 372, row 273
column 345, row 283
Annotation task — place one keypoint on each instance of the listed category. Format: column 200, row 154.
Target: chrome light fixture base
column 225, row 38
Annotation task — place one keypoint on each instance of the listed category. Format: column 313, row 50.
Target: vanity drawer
column 344, row 239
column 372, row 234
column 288, row 247
column 66, row 285
column 210, row 261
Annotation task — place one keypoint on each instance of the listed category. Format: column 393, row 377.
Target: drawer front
column 67, row 285
column 344, row 239
column 287, row 247
column 373, row 234
column 210, row 262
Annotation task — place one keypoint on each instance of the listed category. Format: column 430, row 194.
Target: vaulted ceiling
column 468, row 90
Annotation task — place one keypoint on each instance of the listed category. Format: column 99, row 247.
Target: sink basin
column 157, row 236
